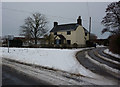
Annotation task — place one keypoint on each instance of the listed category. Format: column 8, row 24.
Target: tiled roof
column 65, row 27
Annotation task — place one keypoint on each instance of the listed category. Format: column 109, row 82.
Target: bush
column 64, row 46
column 114, row 44
column 89, row 43
column 47, row 45
column 75, row 45
column 15, row 43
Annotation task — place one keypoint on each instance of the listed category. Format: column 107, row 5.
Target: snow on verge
column 112, row 54
column 61, row 59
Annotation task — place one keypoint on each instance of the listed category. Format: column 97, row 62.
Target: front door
column 58, row 41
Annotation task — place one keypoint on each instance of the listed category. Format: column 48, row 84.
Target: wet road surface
column 12, row 77
column 99, row 50
column 92, row 66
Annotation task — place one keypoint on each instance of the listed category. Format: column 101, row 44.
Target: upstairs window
column 85, row 33
column 68, row 32
column 55, row 33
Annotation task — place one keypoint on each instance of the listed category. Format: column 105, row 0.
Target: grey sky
column 14, row 13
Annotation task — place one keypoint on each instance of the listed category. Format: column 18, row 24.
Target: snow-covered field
column 112, row 54
column 61, row 59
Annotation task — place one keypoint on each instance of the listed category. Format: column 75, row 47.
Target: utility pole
column 8, row 44
column 89, row 28
column 9, row 37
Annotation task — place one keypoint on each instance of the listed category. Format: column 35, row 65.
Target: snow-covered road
column 53, row 77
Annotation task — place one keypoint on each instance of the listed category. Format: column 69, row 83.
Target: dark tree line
column 112, row 24
column 112, row 19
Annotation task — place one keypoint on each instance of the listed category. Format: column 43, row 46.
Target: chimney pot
column 79, row 20
column 55, row 24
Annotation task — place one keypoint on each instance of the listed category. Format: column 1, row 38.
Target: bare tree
column 112, row 19
column 34, row 27
column 49, row 38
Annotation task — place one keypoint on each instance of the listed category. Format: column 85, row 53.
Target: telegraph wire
column 32, row 12
column 53, row 16
column 16, row 10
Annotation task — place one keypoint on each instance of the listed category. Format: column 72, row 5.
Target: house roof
column 60, row 36
column 86, row 31
column 66, row 27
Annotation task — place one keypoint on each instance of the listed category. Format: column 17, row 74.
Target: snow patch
column 107, row 51
column 61, row 59
column 100, row 45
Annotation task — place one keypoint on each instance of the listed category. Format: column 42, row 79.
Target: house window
column 68, row 32
column 69, row 42
column 55, row 33
column 85, row 33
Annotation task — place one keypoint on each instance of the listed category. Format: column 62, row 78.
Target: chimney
column 55, row 24
column 79, row 20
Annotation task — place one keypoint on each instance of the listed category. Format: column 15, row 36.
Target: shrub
column 89, row 43
column 75, row 45
column 64, row 46
column 114, row 44
column 47, row 45
column 15, row 43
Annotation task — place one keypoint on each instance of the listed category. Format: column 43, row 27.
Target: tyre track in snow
column 92, row 54
column 49, row 76
column 95, row 68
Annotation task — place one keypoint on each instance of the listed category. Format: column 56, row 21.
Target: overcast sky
column 14, row 13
